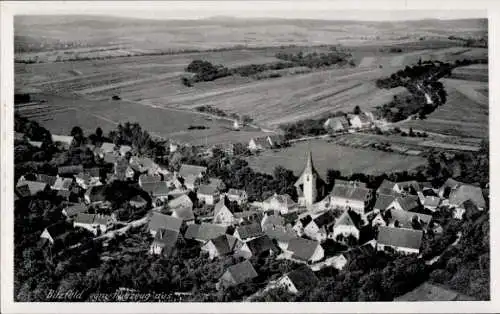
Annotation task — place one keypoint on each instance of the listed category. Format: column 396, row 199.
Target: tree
column 356, row 110
column 78, row 136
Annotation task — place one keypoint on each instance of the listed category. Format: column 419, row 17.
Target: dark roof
column 411, row 185
column 96, row 193
column 302, row 277
column 347, row 219
column 350, row 192
column 400, row 237
column 85, row 218
column 324, row 219
column 386, row 185
column 302, row 249
column 191, row 170
column 146, row 178
column 161, row 221
column 408, row 202
column 224, row 244
column 405, row 218
column 223, row 203
column 242, row 272
column 433, row 292
column 33, row 187
column 166, row 239
column 383, row 201
column 280, row 233
column 93, row 172
column 260, row 245
column 23, row 190
column 156, row 188
column 273, row 220
column 58, row 229
column 70, row 170
column 205, row 231
column 249, row 231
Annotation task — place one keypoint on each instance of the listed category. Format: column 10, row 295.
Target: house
column 319, row 226
column 49, row 180
column 30, row 188
column 54, row 233
column 281, row 234
column 161, row 221
column 281, row 203
column 345, row 226
column 387, row 188
column 359, row 121
column 64, row 194
column 106, row 148
column 137, row 201
column 62, row 184
column 432, row 292
column 190, row 173
column 247, row 217
column 147, row 178
column 124, row 149
column 204, row 232
column 259, row 246
column 223, row 215
column 164, row 242
column 236, row 274
column 405, row 219
column 276, row 140
column 73, row 210
column 238, row 196
column 87, row 178
column 208, row 193
column 336, row 124
column 248, row 232
column 158, row 191
column 172, row 147
column 310, row 187
column 402, row 240
column 95, row 223
column 258, row 144
column 144, row 165
column 383, row 202
column 350, row 197
column 304, row 250
column 184, row 213
column 219, row 246
column 431, row 202
column 269, row 221
column 449, row 185
column 95, row 195
column 181, row 201
column 406, row 203
column 123, row 170
column 69, row 171
column 62, row 139
column 467, row 192
column 298, row 280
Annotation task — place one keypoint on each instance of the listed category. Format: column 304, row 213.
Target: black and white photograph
column 217, row 152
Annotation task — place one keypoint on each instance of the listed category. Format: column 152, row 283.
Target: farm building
column 219, row 246
column 235, row 195
column 204, row 232
column 298, row 280
column 304, row 250
column 336, row 124
column 160, row 221
column 237, row 274
column 346, row 226
column 164, row 242
column 400, row 239
column 350, row 197
column 94, row 223
column 281, row 203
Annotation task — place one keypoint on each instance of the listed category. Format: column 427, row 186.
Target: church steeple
column 307, row 183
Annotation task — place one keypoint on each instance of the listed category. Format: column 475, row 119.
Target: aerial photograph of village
column 250, row 159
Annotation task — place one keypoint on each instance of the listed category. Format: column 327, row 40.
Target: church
column 310, row 187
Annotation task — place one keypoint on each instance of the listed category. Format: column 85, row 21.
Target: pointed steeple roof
column 308, row 169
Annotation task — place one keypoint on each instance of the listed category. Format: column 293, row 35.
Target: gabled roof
column 383, row 201
column 276, row 139
column 50, row 180
column 33, row 187
column 85, row 218
column 70, row 170
column 138, row 199
column 62, row 139
column 62, row 183
column 283, row 199
column 280, row 233
column 386, row 186
column 107, row 147
column 350, row 192
column 433, row 292
column 261, row 141
column 142, row 164
column 182, row 200
column 161, row 221
column 324, row 219
column 184, row 213
column 271, row 220
column 249, row 231
column 22, row 190
column 207, row 189
column 302, row 249
column 408, row 202
column 260, row 245
column 236, row 193
column 205, row 231
column 191, row 170
column 146, row 178
column 224, row 244
column 411, row 185
column 350, row 183
column 346, row 219
column 302, row 277
column 405, row 218
column 431, row 201
column 156, row 188
column 336, row 122
column 75, row 209
column 400, row 237
column 124, row 149
column 223, row 203
column 166, row 239
column 467, row 192
column 242, row 272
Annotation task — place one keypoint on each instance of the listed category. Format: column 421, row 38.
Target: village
column 187, row 204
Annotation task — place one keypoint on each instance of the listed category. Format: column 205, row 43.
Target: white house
column 360, row 121
column 94, row 223
column 222, row 214
column 350, row 196
column 345, row 226
column 403, row 240
column 298, row 280
column 235, row 195
column 281, row 203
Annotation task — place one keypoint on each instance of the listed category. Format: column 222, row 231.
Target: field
column 465, row 113
column 330, row 156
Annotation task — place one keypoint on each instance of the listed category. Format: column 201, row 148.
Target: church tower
column 309, row 185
